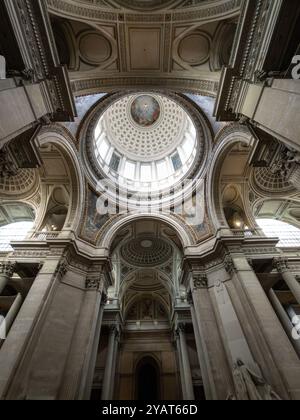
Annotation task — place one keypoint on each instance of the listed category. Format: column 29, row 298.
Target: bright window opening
column 129, row 171
column 146, row 173
column 103, row 149
column 13, row 232
column 289, row 235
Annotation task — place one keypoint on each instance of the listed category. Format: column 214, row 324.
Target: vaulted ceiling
column 177, row 44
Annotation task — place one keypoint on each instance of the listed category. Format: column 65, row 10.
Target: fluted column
column 281, row 265
column 109, row 366
column 187, row 373
column 285, row 319
column 6, row 272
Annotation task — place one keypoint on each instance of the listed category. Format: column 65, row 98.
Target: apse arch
column 62, row 140
column 183, row 231
column 229, row 137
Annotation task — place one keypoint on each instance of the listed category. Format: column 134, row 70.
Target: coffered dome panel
column 271, row 182
column 145, row 127
column 21, row 183
column 150, row 252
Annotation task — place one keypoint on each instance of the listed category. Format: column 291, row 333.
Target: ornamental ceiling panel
column 108, row 46
column 144, row 52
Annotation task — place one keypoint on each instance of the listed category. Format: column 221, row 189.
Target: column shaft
column 184, row 394
column 113, row 371
column 292, row 283
column 284, row 366
column 186, row 366
column 201, row 357
column 13, row 312
column 109, row 365
column 284, row 318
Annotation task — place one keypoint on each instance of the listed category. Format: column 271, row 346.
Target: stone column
column 188, row 380
column 206, row 377
column 283, row 372
column 282, row 266
column 14, row 347
column 13, row 312
column 184, row 395
column 109, row 366
column 6, row 272
column 87, row 384
column 218, row 375
column 285, row 319
column 114, row 366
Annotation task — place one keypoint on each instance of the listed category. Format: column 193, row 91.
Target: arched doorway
column 147, row 380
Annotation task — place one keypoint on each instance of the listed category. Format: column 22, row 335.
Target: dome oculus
column 145, row 110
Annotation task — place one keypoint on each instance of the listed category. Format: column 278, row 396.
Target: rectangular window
column 162, row 169
column 146, row 173
column 177, row 163
column 115, row 162
column 103, row 149
column 129, row 171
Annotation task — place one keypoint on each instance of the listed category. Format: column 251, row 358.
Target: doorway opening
column 147, row 380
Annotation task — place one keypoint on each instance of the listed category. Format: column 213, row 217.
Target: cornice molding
column 89, row 86
column 86, row 10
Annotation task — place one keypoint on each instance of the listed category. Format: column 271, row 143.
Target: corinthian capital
column 7, row 268
column 229, row 265
column 61, row 270
column 200, row 281
column 94, row 282
column 281, row 264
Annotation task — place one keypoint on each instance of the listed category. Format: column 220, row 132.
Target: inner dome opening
column 145, row 142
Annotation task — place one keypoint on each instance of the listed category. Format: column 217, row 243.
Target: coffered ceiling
column 176, row 44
